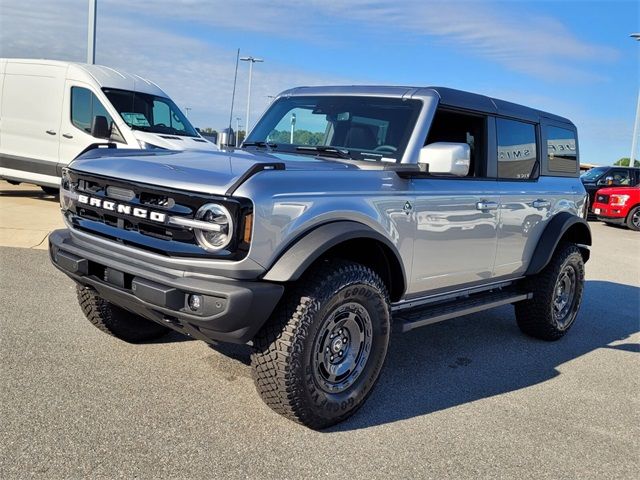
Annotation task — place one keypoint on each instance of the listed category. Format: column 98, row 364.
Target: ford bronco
column 348, row 212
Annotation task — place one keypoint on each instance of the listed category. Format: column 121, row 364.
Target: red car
column 618, row 205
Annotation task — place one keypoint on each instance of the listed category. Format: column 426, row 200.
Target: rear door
column 31, row 109
column 524, row 201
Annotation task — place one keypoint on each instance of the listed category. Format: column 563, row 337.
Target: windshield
column 361, row 128
column 593, row 174
column 150, row 113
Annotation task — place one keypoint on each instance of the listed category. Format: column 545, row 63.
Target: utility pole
column 237, row 130
column 634, row 140
column 251, row 61
column 186, row 111
column 91, row 33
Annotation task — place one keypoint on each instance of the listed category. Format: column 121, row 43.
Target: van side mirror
column 100, row 127
column 446, row 158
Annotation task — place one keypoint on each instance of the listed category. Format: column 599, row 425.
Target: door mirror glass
column 100, row 127
column 446, row 158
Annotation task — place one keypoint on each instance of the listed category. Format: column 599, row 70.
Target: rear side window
column 517, row 153
column 561, row 150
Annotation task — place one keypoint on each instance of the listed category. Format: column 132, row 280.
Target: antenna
column 233, row 95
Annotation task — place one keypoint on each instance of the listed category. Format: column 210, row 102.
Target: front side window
column 517, row 158
column 561, row 150
column 458, row 127
column 360, row 128
column 150, row 113
column 85, row 106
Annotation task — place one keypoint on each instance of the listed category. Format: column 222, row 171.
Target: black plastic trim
column 244, row 305
column 258, row 167
column 300, row 255
column 558, row 226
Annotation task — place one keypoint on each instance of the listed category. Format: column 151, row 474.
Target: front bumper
column 231, row 310
column 614, row 220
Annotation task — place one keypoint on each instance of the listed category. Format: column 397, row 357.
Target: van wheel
column 116, row 321
column 50, row 190
column 633, row 219
column 320, row 354
column 557, row 294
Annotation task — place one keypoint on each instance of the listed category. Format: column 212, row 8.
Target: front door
column 456, row 232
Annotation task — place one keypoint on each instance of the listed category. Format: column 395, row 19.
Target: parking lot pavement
column 468, row 398
column 27, row 216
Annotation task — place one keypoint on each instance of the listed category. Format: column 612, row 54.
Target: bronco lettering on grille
column 122, row 208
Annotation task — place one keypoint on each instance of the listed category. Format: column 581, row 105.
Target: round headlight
column 221, row 232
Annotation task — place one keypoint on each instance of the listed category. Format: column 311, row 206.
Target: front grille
column 157, row 236
column 601, row 198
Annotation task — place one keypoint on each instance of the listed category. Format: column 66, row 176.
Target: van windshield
column 150, row 113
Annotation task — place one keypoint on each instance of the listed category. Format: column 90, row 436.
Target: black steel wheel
column 557, row 295
column 318, row 357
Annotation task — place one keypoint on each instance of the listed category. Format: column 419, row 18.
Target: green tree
column 624, row 162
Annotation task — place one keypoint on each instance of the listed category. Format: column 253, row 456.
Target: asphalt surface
column 468, row 398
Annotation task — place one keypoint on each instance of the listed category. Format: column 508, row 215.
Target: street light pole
column 634, row 140
column 251, row 61
column 91, row 33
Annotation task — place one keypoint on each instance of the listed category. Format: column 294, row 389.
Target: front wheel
column 116, row 321
column 319, row 356
column 633, row 219
column 557, row 294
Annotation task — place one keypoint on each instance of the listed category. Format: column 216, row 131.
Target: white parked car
column 51, row 111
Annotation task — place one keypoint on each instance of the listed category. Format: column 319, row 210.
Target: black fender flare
column 299, row 255
column 575, row 228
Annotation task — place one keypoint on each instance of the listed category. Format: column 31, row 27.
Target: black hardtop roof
column 448, row 96
column 482, row 103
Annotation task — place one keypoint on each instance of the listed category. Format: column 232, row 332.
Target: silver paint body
column 445, row 242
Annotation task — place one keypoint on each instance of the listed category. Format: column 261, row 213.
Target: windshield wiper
column 260, row 144
column 326, row 150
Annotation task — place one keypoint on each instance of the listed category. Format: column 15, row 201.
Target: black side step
column 419, row 317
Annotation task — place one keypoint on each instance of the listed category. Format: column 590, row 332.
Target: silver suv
column 348, row 212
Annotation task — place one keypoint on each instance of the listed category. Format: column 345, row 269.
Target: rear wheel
column 319, row 356
column 50, row 190
column 116, row 321
column 633, row 219
column 557, row 294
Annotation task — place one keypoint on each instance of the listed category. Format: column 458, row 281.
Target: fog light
column 195, row 302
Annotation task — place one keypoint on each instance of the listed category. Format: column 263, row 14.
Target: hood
column 175, row 142
column 617, row 190
column 203, row 172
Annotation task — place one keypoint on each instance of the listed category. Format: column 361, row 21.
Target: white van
column 51, row 111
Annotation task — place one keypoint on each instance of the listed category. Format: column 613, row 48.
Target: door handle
column 67, row 135
column 484, row 205
column 51, row 132
column 541, row 204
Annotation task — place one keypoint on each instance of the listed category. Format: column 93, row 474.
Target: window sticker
column 135, row 119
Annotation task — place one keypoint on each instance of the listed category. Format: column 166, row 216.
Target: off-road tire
column 283, row 351
column 116, row 321
column 535, row 316
column 635, row 211
column 50, row 190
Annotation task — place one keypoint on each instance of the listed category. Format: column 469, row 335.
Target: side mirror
column 447, row 158
column 100, row 127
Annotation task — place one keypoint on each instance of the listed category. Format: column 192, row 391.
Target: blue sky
column 573, row 58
